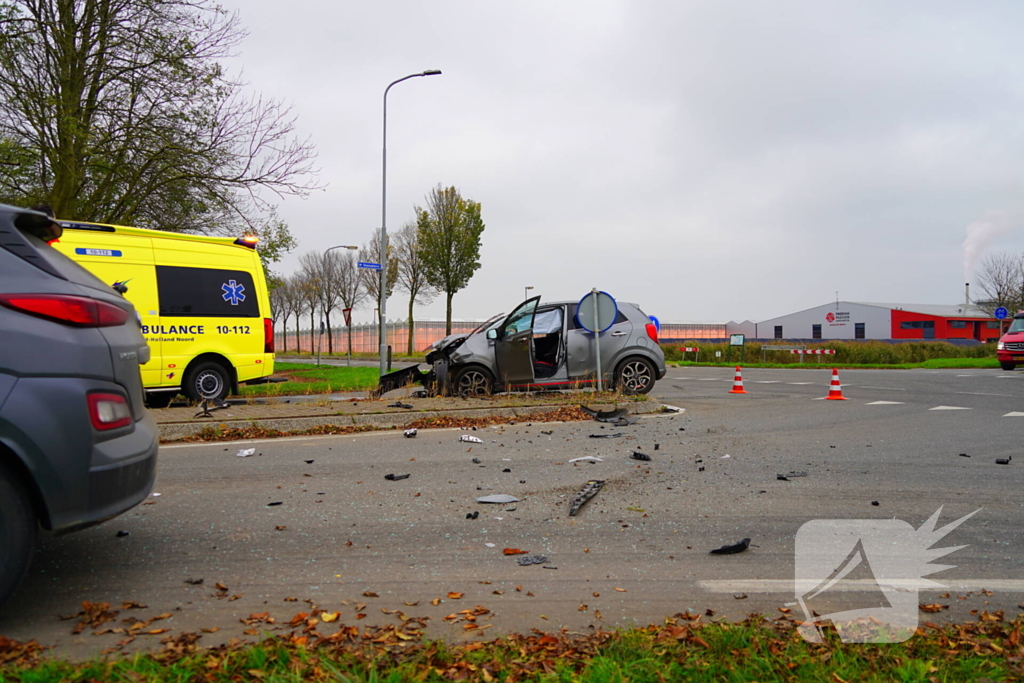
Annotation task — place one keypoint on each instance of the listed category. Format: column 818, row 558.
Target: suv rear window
column 206, row 292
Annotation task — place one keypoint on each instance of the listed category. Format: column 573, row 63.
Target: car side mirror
column 492, row 334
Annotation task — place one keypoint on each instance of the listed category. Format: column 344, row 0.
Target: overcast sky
column 706, row 160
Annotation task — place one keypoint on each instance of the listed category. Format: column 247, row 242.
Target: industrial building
column 857, row 320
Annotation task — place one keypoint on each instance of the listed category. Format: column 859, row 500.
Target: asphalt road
column 637, row 552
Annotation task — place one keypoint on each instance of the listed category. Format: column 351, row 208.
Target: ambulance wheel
column 17, row 532
column 207, row 380
column 159, row 399
column 1007, row 366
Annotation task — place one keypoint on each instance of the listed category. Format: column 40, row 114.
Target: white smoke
column 980, row 233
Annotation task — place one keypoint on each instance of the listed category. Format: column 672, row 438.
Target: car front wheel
column 1007, row 366
column 472, row 381
column 17, row 532
column 207, row 380
column 635, row 376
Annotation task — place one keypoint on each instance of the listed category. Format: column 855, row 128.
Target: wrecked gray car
column 540, row 346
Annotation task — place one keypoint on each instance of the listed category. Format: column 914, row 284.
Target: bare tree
column 119, row 111
column 412, row 277
column 1001, row 279
column 276, row 292
column 298, row 304
column 351, row 289
column 371, row 278
column 309, row 293
column 329, row 272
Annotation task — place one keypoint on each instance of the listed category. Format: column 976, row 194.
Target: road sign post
column 596, row 312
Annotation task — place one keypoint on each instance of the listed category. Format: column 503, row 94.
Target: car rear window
column 206, row 292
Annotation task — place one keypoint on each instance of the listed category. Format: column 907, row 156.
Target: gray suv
column 77, row 446
column 544, row 346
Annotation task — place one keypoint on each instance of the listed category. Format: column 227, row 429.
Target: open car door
column 513, row 345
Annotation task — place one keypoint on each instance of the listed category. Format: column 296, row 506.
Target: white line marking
column 1015, row 414
column 766, row 381
column 967, row 375
column 978, row 393
column 789, row 585
column 884, row 388
column 712, row 379
column 948, row 408
column 796, row 383
column 886, row 403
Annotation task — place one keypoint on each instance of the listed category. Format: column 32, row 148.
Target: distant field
column 309, row 378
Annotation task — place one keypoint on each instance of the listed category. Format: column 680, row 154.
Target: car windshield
column 1016, row 326
column 493, row 321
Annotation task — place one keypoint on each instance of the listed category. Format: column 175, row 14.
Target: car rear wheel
column 1007, row 366
column 207, row 380
column 635, row 375
column 17, row 532
column 472, row 381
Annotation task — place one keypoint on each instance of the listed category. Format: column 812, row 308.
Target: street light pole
column 526, row 292
column 383, row 295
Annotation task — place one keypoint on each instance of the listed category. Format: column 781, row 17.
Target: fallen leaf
column 211, row 629
column 280, row 528
column 131, row 604
column 597, row 595
column 932, row 608
column 220, row 586
column 360, row 616
column 410, row 604
column 582, row 608
column 621, row 590
column 455, row 596
column 514, row 551
column 498, row 592
column 785, row 610
column 519, row 589
column 156, row 631
column 329, row 617
column 597, row 613
column 530, row 594
column 370, row 594
column 435, row 602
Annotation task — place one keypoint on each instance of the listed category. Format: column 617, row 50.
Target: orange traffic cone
column 737, row 384
column 835, row 390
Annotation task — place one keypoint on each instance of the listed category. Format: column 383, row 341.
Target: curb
column 175, row 431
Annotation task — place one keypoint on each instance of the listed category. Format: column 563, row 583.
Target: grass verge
column 682, row 648
column 309, row 378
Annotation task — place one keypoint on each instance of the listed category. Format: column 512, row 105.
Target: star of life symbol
column 233, row 292
column 863, row 576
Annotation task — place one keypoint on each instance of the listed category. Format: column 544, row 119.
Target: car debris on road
column 732, row 549
column 588, row 491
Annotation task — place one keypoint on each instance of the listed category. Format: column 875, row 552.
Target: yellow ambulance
column 203, row 305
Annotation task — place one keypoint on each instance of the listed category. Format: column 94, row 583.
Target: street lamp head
column 431, row 72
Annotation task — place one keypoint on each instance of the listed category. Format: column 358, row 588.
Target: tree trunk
column 330, row 335
column 412, row 299
column 349, row 339
column 312, row 329
column 448, row 317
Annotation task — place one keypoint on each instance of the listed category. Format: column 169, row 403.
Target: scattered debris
column 410, row 433
column 122, row 534
column 310, row 462
column 606, row 436
column 657, row 446
column 964, row 455
column 1004, row 461
column 278, row 502
column 500, row 499
column 732, row 549
column 399, row 404
column 549, row 432
column 591, row 458
column 476, row 461
column 588, row 491
column 396, row 477
column 469, row 439
column 531, row 559
column 473, row 515
column 790, row 475
column 514, row 551
column 725, row 456
column 604, row 415
column 245, row 452
column 740, row 596
column 507, row 469
column 637, row 455
column 195, row 582
column 875, row 503
column 626, row 421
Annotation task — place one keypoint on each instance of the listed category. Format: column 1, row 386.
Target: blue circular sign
column 1001, row 313
column 657, row 323
column 607, row 310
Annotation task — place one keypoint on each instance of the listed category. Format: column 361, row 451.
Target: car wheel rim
column 209, row 384
column 636, row 376
column 473, row 383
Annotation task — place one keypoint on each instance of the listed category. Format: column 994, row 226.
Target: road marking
column 798, row 383
column 766, row 381
column 884, row 388
column 885, row 403
column 967, row 375
column 1014, row 415
column 948, row 408
column 978, row 393
column 712, row 379
column 858, row 585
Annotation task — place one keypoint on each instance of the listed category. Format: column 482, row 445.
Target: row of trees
column 438, row 253
column 1001, row 279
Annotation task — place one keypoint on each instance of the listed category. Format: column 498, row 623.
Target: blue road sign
column 370, row 266
column 1001, row 313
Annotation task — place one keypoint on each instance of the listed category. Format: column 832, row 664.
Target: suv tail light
column 652, row 332
column 109, row 411
column 268, row 335
column 76, row 311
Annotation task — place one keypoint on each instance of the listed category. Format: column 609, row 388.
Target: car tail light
column 109, row 411
column 268, row 335
column 652, row 332
column 76, row 311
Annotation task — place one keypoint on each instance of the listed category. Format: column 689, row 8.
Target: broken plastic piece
column 604, row 415
column 732, row 549
column 637, row 455
column 875, row 502
column 410, row 433
column 245, row 452
column 588, row 491
column 122, row 534
column 469, row 439
column 591, row 458
column 531, row 559
column 790, row 475
column 1004, row 461
column 399, row 404
column 396, row 477
column 606, row 436
column 499, row 499
column 473, row 515
column 476, row 461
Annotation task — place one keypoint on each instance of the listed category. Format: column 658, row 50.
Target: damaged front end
column 434, row 380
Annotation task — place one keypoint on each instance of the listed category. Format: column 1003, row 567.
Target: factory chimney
column 967, row 296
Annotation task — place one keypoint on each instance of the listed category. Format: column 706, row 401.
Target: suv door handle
column 617, row 334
